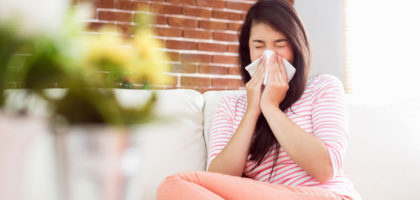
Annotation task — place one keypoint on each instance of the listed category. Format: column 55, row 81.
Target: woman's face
column 263, row 37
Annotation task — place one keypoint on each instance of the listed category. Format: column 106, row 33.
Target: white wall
column 323, row 20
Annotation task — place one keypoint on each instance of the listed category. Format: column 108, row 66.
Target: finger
column 272, row 69
column 261, row 74
column 260, row 68
column 278, row 69
column 282, row 69
column 267, row 64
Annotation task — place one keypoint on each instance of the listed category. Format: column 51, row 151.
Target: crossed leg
column 215, row 186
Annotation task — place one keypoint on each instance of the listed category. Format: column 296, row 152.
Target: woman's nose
column 272, row 49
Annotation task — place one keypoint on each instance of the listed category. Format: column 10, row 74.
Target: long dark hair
column 282, row 17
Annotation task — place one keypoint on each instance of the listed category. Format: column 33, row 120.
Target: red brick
column 115, row 16
column 185, row 45
column 225, row 36
column 96, row 26
column 212, row 47
column 243, row 17
column 166, row 9
column 206, row 89
column 105, row 4
column 133, row 5
column 173, row 56
column 212, row 25
column 234, row 26
column 187, row 2
column 225, row 59
column 209, row 69
column 125, row 29
column 197, row 34
column 233, row 48
column 182, row 22
column 211, row 3
column 197, row 12
column 195, row 81
column 234, row 71
column 226, row 82
column 168, row 32
column 226, row 15
column 203, row 58
column 238, row 6
column 159, row 20
column 183, row 68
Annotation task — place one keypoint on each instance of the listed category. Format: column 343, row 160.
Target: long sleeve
column 329, row 118
column 221, row 128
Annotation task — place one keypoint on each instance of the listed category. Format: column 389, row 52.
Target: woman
column 279, row 141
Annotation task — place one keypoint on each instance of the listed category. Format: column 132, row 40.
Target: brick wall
column 200, row 36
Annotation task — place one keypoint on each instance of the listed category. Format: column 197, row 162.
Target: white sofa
column 382, row 159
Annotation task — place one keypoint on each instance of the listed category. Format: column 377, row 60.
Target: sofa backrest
column 382, row 157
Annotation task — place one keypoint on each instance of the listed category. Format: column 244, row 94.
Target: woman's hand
column 253, row 90
column 277, row 84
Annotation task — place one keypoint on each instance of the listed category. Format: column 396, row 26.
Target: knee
column 191, row 176
column 165, row 188
column 170, row 183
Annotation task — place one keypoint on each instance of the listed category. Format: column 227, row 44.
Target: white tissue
column 252, row 68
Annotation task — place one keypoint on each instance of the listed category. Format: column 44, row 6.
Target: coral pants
column 208, row 185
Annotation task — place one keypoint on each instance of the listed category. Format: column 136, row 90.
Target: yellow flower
column 153, row 61
column 139, row 59
column 107, row 50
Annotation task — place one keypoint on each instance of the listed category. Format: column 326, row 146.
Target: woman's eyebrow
column 280, row 40
column 259, row 41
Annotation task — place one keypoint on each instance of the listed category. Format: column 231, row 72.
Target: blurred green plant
column 88, row 66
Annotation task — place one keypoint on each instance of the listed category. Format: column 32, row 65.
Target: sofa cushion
column 382, row 159
column 172, row 144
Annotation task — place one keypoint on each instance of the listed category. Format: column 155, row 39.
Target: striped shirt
column 321, row 112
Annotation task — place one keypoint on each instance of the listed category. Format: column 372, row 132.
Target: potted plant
column 95, row 151
column 21, row 124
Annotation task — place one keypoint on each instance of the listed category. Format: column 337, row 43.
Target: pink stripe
column 309, row 180
column 219, row 145
column 222, row 124
column 276, row 170
column 224, row 137
column 297, row 180
column 300, row 103
column 286, row 176
column 280, row 172
column 270, row 158
column 290, row 179
column 266, row 169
